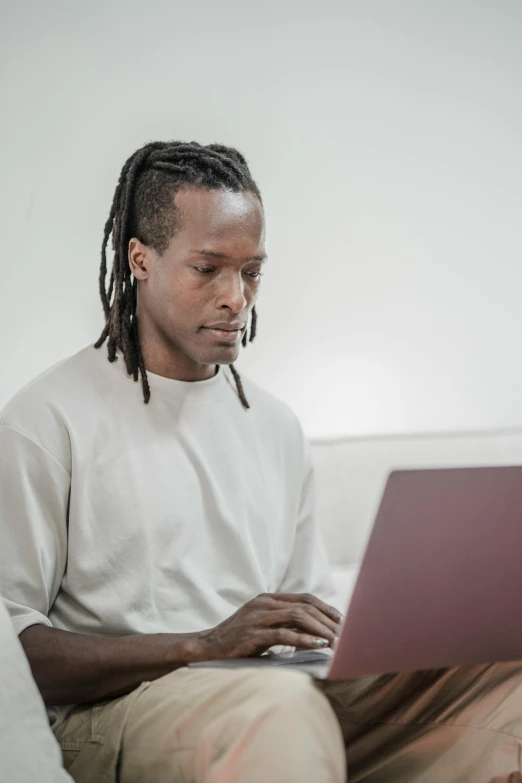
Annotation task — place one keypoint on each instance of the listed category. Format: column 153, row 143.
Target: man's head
column 188, row 235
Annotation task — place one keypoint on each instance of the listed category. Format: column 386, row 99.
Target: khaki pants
column 278, row 726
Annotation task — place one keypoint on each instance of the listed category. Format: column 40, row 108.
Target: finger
column 291, row 638
column 315, row 607
column 311, row 610
column 300, row 618
column 321, row 616
column 310, row 600
column 270, row 602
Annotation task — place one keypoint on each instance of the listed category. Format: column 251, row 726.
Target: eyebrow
column 217, row 255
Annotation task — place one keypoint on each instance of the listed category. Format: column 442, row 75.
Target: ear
column 139, row 259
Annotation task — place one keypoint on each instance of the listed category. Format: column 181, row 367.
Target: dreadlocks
column 143, row 207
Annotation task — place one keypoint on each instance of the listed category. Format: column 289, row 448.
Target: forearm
column 71, row 668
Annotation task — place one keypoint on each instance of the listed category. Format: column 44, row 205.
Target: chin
column 224, row 355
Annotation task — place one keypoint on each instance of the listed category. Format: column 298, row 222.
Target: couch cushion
column 28, row 749
column 351, row 473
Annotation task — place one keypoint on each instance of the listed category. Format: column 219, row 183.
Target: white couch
column 28, row 751
column 351, row 473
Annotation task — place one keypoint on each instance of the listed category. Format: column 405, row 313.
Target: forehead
column 216, row 216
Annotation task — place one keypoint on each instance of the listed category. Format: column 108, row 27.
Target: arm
column 68, row 667
column 71, row 668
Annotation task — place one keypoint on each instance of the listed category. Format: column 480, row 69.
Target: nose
column 232, row 295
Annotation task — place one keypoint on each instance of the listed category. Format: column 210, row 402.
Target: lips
column 225, row 326
column 224, row 335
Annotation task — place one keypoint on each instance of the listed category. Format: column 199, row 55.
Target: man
column 143, row 531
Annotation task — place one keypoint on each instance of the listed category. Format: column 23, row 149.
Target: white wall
column 386, row 137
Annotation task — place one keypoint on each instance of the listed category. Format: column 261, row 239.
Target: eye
column 208, row 270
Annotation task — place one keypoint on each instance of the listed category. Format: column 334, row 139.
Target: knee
column 283, row 727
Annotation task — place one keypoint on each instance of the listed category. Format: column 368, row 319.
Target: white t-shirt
column 118, row 517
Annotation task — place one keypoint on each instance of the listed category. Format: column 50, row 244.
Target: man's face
column 208, row 276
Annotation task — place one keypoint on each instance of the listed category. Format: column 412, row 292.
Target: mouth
column 224, row 335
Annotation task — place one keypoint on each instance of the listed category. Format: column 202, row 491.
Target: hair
column 143, row 207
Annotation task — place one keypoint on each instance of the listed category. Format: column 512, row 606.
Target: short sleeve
column 34, row 494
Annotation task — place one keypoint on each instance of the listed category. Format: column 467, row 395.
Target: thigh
column 202, row 724
column 461, row 725
column 246, row 724
column 90, row 737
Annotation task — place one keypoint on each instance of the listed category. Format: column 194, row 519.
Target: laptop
column 440, row 583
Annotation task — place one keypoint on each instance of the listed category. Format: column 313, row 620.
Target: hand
column 272, row 619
